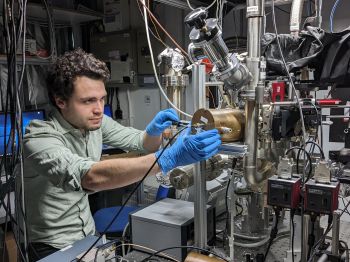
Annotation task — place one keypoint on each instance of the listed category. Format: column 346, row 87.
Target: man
column 62, row 155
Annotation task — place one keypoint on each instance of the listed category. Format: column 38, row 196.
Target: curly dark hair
column 61, row 77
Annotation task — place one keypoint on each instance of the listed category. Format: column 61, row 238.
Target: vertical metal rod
column 255, row 13
column 200, row 203
column 335, row 233
column 176, row 95
column 231, row 198
column 200, row 211
column 296, row 16
column 318, row 11
column 305, row 236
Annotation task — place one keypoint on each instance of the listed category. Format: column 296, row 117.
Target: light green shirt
column 57, row 156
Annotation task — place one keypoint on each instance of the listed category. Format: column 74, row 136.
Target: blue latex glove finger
column 202, row 153
column 207, row 141
column 161, row 122
column 170, row 114
column 213, row 153
column 212, row 147
column 205, row 134
column 166, row 115
column 165, row 125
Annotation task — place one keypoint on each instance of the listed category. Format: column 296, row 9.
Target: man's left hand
column 161, row 122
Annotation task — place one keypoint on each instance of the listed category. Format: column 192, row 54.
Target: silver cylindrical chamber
column 183, row 177
column 217, row 52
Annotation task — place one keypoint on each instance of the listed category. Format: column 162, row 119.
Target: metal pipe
column 323, row 258
column 268, row 3
column 295, row 16
column 335, row 116
column 335, row 233
column 200, row 203
column 250, row 160
column 305, row 236
column 255, row 13
column 318, row 12
column 176, row 95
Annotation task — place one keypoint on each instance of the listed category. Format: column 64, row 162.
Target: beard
column 92, row 128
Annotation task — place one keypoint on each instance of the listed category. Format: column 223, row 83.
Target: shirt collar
column 62, row 124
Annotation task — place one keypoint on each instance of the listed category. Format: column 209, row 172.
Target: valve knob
column 197, row 18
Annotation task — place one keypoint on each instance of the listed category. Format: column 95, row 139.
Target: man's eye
column 88, row 101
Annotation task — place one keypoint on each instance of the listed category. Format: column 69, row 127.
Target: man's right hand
column 189, row 149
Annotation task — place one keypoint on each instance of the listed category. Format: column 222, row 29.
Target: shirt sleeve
column 47, row 155
column 125, row 138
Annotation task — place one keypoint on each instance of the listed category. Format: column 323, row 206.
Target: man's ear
column 61, row 103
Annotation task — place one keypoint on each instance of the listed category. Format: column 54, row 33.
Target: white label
column 251, row 9
column 204, row 120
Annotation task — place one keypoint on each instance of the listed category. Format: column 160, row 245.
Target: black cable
column 311, row 237
column 300, row 148
column 329, row 227
column 14, row 21
column 273, row 233
column 284, row 11
column 318, row 146
column 346, row 211
column 322, row 238
column 131, row 194
column 187, row 247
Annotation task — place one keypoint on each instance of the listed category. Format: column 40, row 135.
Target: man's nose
column 98, row 108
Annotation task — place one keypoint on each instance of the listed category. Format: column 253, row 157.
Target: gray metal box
column 168, row 223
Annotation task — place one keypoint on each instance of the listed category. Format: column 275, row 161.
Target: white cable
column 262, row 242
column 192, row 8
column 153, row 63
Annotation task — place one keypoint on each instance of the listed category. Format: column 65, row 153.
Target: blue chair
column 105, row 215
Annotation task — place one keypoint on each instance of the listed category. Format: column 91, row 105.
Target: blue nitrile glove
column 189, row 149
column 161, row 122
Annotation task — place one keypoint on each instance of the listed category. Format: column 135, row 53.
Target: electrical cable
column 346, row 247
column 192, row 8
column 161, row 27
column 311, row 237
column 153, row 63
column 133, row 245
column 336, row 3
column 262, row 242
column 131, row 194
column 297, row 100
column 187, row 247
column 273, row 233
column 53, row 48
column 318, row 146
column 14, row 21
column 156, row 37
column 287, row 71
column 297, row 164
column 329, row 227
